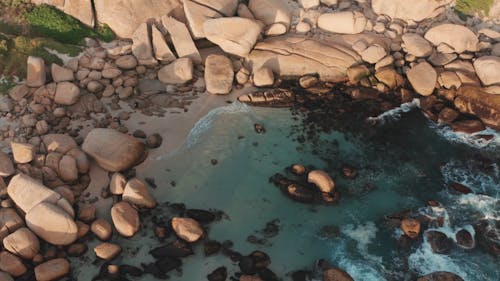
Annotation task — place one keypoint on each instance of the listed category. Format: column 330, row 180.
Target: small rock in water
column 465, row 239
column 440, row 243
column 329, row 231
column 259, row 128
column 154, row 141
column 460, row 188
column 219, row 274
column 151, row 182
column 298, row 169
column 410, row 227
column 349, row 172
column 139, row 134
column 214, row 162
column 211, row 247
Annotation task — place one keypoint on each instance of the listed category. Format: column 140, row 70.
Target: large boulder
column 137, row 193
column 488, row 69
column 23, row 243
column 52, row 270
column 181, row 38
column 112, row 150
column 271, row 11
column 28, row 193
column 196, row 15
column 343, row 22
column 458, row 37
column 160, row 47
column 67, row 93
column 409, row 10
column 125, row 219
column 36, row 72
column 219, row 74
column 293, row 55
column 475, row 101
column 81, row 10
column 52, row 224
column 225, row 7
column 179, row 71
column 187, row 229
column 141, row 46
column 124, row 16
column 423, row 78
column 415, row 44
column 236, row 36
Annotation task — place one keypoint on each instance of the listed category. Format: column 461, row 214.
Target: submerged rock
column 176, row 249
column 440, row 276
column 440, row 243
column 219, row 274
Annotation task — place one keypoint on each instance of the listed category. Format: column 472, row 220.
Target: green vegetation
column 5, row 85
column 13, row 58
column 48, row 21
column 470, row 7
column 28, row 30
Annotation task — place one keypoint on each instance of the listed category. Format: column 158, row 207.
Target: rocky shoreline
column 64, row 122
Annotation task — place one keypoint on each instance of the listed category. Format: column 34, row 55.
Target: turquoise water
column 402, row 163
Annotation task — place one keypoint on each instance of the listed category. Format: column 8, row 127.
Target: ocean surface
column 403, row 161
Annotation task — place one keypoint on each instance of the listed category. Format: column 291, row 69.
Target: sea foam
column 395, row 113
column 205, row 123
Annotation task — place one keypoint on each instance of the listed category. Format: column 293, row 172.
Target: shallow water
column 402, row 163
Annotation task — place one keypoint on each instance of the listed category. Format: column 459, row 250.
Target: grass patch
column 47, row 21
column 6, row 83
column 13, row 60
column 469, row 7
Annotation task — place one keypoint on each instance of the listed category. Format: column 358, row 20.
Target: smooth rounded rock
column 488, row 69
column 117, row 184
column 23, row 243
column 52, row 270
column 52, row 224
column 343, row 22
column 6, row 165
column 458, row 37
column 112, row 150
column 423, row 78
column 11, row 264
column 322, row 180
column 179, row 71
column 102, row 229
column 219, row 74
column 137, row 193
column 236, row 36
column 67, row 93
column 187, row 229
column 125, row 219
column 107, row 251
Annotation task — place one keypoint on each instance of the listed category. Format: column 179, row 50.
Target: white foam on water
column 473, row 140
column 489, row 207
column 363, row 234
column 424, row 261
column 205, row 123
column 395, row 113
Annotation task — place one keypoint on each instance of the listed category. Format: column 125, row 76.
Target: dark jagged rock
column 460, row 188
column 200, row 216
column 246, row 265
column 260, row 259
column 301, row 275
column 176, row 249
column 468, row 126
column 130, row 270
column 278, row 97
column 259, row 128
column 211, row 247
column 219, row 274
column 488, row 236
column 472, row 100
column 349, row 172
column 154, row 269
column 167, row 264
column 300, row 193
column 440, row 243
